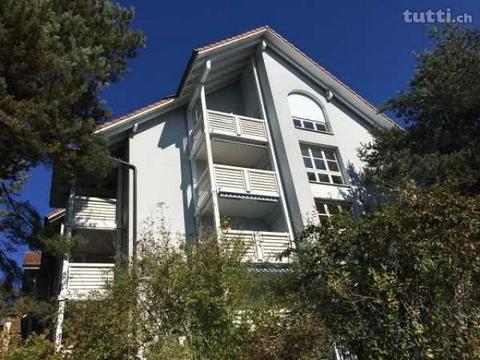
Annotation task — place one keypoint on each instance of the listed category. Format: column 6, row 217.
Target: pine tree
column 440, row 143
column 56, row 57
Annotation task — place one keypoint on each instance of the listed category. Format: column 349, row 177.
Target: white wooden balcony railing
column 260, row 246
column 237, row 125
column 93, row 212
column 231, row 125
column 202, row 190
column 83, row 278
column 244, row 180
column 196, row 136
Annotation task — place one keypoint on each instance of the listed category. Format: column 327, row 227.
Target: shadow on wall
column 174, row 133
column 364, row 198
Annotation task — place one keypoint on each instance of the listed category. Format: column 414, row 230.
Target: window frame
column 319, row 173
column 314, row 123
column 341, row 207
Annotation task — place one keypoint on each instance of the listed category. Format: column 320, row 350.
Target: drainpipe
column 134, row 207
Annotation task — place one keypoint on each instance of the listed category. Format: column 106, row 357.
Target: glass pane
column 324, row 220
column 337, row 179
column 305, row 151
column 330, row 154
column 333, row 208
column 297, row 123
column 320, row 164
column 323, row 178
column 332, row 166
column 308, row 162
column 312, row 177
column 308, row 125
column 320, row 207
column 321, row 127
column 317, row 153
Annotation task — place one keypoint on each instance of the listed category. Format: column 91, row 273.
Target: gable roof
column 248, row 42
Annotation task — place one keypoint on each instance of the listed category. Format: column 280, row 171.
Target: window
column 310, row 125
column 307, row 114
column 327, row 209
column 322, row 165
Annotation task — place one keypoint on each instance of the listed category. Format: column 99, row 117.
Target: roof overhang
column 232, row 54
column 54, row 215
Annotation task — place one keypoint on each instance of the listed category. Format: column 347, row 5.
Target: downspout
column 134, row 205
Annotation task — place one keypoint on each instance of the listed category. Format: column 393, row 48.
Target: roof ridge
column 232, row 38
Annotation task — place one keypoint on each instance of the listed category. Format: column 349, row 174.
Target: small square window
column 333, row 208
column 308, row 162
column 323, row 178
column 317, row 153
column 321, row 127
column 312, row 177
column 337, row 179
column 324, row 220
column 308, row 125
column 297, row 123
column 319, row 164
column 305, row 151
column 333, row 166
column 321, row 207
column 330, row 154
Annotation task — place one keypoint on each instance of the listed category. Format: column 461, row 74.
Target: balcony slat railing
column 261, row 246
column 196, row 136
column 273, row 244
column 83, row 278
column 237, row 125
column 202, row 190
column 93, row 212
column 244, row 180
column 219, row 121
column 261, row 181
column 248, row 239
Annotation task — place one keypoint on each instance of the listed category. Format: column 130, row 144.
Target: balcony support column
column 258, row 246
column 66, row 230
column 211, row 169
column 238, row 128
column 270, row 145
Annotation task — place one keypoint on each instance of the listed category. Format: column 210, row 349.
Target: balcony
column 237, row 126
column 233, row 179
column 85, row 278
column 261, row 246
column 230, row 126
column 93, row 212
column 237, row 180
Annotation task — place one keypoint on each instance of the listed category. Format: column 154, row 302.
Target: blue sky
column 366, row 44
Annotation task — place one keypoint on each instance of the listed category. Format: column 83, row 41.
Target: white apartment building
column 257, row 142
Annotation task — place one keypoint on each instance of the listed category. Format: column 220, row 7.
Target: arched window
column 307, row 114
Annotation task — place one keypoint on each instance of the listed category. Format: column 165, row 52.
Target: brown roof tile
column 32, row 258
column 55, row 212
column 163, row 101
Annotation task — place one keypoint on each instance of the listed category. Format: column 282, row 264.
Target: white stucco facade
column 348, row 133
column 159, row 148
column 159, row 151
